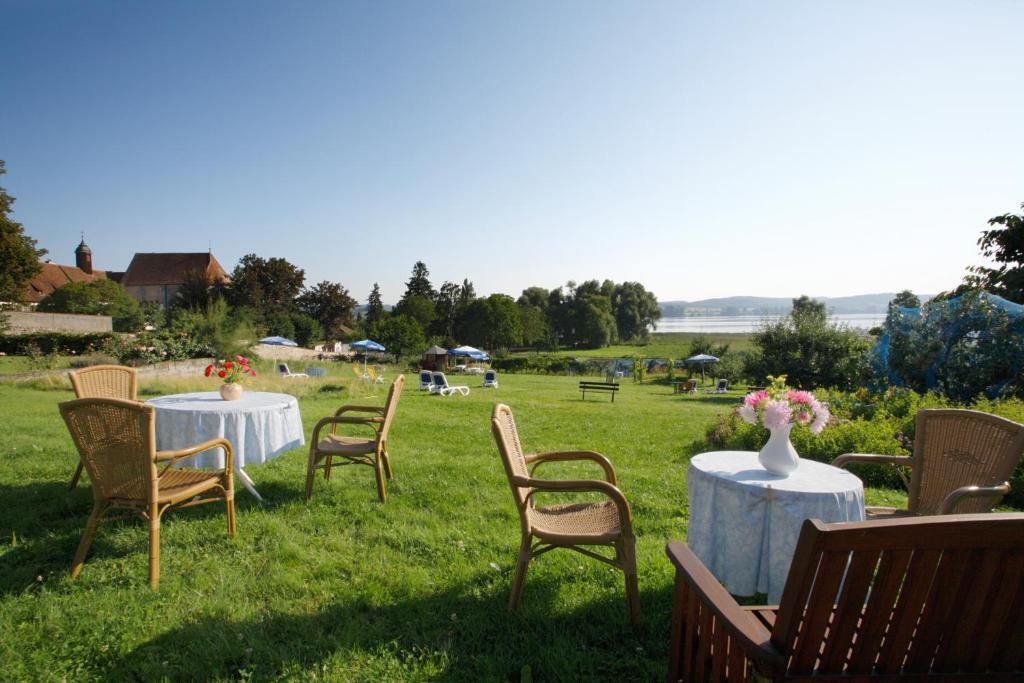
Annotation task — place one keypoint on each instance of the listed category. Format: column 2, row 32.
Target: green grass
column 663, row 345
column 344, row 588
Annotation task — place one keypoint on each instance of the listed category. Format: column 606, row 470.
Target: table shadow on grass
column 463, row 633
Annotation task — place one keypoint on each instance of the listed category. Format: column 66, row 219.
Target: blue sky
column 704, row 149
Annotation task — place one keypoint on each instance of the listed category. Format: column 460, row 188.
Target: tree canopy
column 329, row 304
column 374, row 305
column 19, row 256
column 100, row 297
column 1005, row 246
column 267, row 286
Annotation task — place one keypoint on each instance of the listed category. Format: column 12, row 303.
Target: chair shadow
column 467, row 623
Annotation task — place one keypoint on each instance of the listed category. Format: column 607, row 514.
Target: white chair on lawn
column 426, row 381
column 723, row 384
column 442, row 387
column 284, row 371
column 491, row 379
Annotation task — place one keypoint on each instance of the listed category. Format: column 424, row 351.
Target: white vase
column 231, row 391
column 778, row 455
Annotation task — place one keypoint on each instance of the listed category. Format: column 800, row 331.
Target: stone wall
column 22, row 322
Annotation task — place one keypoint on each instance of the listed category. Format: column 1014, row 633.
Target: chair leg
column 310, row 471
column 154, row 547
column 77, row 475
column 387, row 461
column 626, row 550
column 522, row 563
column 378, row 470
column 87, row 536
column 328, row 461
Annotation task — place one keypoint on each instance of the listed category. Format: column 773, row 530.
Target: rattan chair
column 102, row 381
column 962, row 462
column 116, row 440
column 567, row 525
column 351, row 450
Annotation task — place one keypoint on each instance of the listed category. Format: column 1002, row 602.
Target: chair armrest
column 568, row 456
column 173, row 456
column 747, row 632
column 950, row 501
column 870, row 458
column 581, row 486
column 371, row 422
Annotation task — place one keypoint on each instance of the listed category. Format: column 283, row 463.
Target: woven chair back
column 117, row 441
column 389, row 408
column 954, row 448
column 932, row 595
column 105, row 381
column 503, row 425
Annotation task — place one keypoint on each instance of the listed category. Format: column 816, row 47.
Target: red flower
column 222, row 374
column 228, row 365
column 209, row 370
column 253, row 373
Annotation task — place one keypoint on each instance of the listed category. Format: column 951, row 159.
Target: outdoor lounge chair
column 719, row 388
column 116, row 441
column 565, row 525
column 442, row 387
column 426, row 380
column 103, row 381
column 352, row 450
column 491, row 379
column 924, row 598
column 962, row 462
column 284, row 371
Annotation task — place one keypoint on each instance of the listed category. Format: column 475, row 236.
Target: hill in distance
column 764, row 305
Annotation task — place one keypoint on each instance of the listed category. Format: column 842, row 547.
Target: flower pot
column 778, row 455
column 231, row 391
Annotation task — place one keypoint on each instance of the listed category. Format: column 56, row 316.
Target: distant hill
column 763, row 305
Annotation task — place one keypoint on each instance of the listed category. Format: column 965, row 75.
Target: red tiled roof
column 170, row 269
column 54, row 276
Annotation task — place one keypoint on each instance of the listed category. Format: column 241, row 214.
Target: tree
column 807, row 309
column 419, row 308
column 399, row 334
column 374, row 306
column 329, row 304
column 268, row 286
column 1005, row 246
column 447, row 308
column 226, row 332
column 100, row 297
column 19, row 257
column 905, row 299
column 307, row 329
column 467, row 293
column 636, row 310
column 492, row 323
column 535, row 296
column 196, row 292
column 419, row 283
column 535, row 327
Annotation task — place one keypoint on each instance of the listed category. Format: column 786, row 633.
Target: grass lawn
column 344, row 588
column 663, row 345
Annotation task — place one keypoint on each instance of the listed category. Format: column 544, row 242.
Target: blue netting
column 961, row 347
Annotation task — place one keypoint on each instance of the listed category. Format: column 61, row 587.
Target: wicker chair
column 116, row 440
column 962, row 462
column 102, row 381
column 351, row 450
column 572, row 525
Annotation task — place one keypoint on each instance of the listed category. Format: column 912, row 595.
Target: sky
column 703, row 149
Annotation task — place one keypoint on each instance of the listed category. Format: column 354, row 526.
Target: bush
column 91, row 359
column 54, row 342
column 153, row 347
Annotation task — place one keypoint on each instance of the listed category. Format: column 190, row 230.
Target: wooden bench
column 922, row 598
column 608, row 387
column 687, row 386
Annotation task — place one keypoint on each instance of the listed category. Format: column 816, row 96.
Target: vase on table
column 231, row 391
column 778, row 455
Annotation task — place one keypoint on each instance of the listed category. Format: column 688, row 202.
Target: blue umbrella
column 365, row 345
column 469, row 352
column 277, row 341
column 703, row 359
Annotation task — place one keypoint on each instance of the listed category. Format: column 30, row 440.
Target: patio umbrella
column 365, row 345
column 277, row 341
column 469, row 352
column 703, row 359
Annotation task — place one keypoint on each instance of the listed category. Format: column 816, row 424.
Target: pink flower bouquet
column 779, row 406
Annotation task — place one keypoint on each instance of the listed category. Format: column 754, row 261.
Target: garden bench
column 608, row 387
column 928, row 598
column 687, row 386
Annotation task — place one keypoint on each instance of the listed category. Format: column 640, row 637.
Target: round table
column 744, row 521
column 259, row 425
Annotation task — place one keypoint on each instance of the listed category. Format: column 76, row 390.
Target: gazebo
column 434, row 358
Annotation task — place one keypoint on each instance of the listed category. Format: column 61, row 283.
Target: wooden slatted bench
column 929, row 598
column 608, row 387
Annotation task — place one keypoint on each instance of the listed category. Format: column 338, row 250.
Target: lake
column 750, row 323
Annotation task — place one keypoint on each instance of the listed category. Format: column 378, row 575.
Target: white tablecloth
column 260, row 425
column 744, row 522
